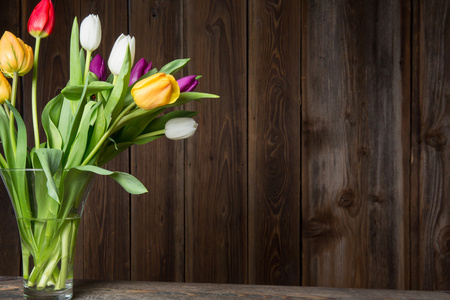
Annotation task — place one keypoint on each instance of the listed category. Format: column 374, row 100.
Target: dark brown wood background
column 325, row 162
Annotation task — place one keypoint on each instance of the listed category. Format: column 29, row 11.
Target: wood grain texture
column 87, row 289
column 10, row 257
column 157, row 218
column 415, row 148
column 274, row 142
column 216, row 159
column 106, row 220
column 433, row 108
column 333, row 123
column 355, row 142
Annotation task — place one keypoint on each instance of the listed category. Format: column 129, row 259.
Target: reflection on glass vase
column 48, row 208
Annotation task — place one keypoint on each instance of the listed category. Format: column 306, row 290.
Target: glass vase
column 48, row 206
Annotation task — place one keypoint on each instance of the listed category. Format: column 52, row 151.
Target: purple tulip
column 97, row 67
column 141, row 68
column 188, row 83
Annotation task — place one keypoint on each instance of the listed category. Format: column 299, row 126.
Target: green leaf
column 112, row 150
column 6, row 138
column 130, row 183
column 21, row 147
column 135, row 126
column 78, row 147
column 114, row 104
column 99, row 128
column 50, row 161
column 82, row 63
column 143, row 141
column 74, row 125
column 189, row 96
column 174, row 66
column 75, row 183
column 65, row 120
column 50, row 117
column 74, row 92
column 76, row 73
column 19, row 158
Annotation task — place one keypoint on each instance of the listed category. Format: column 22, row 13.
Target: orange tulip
column 154, row 91
column 5, row 89
column 15, row 55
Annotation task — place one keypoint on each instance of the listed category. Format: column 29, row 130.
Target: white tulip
column 118, row 52
column 90, row 33
column 180, row 128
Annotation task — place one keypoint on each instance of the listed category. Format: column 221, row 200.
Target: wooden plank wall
column 325, row 162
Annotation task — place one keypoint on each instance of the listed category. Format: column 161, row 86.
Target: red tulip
column 42, row 19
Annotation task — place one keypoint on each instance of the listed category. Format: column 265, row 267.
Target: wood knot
column 346, row 198
column 436, row 139
column 363, row 151
column 154, row 12
column 443, row 241
column 375, row 199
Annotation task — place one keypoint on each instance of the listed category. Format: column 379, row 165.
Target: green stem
column 6, row 109
column 14, row 89
column 12, row 131
column 134, row 114
column 65, row 248
column 73, row 239
column 33, row 93
column 154, row 133
column 48, row 271
column 34, row 275
column 55, row 275
column 86, row 66
column 25, row 262
column 99, row 96
column 107, row 133
column 3, row 162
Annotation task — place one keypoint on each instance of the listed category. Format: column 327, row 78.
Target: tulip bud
column 42, row 19
column 142, row 67
column 119, row 51
column 188, row 83
column 154, row 91
column 5, row 89
column 97, row 67
column 90, row 33
column 180, row 128
column 15, row 55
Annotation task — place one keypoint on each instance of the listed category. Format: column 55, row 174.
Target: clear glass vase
column 48, row 207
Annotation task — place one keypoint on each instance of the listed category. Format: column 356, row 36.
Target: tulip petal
column 90, row 33
column 180, row 128
column 42, row 19
column 155, row 91
column 118, row 52
column 15, row 55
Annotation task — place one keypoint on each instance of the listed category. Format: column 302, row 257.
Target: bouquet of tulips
column 92, row 120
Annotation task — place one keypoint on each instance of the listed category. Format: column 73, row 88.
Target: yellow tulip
column 154, row 91
column 27, row 63
column 5, row 89
column 15, row 55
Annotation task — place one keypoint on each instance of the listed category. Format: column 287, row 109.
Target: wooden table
column 11, row 288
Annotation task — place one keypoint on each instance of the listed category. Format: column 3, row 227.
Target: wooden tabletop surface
column 11, row 288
